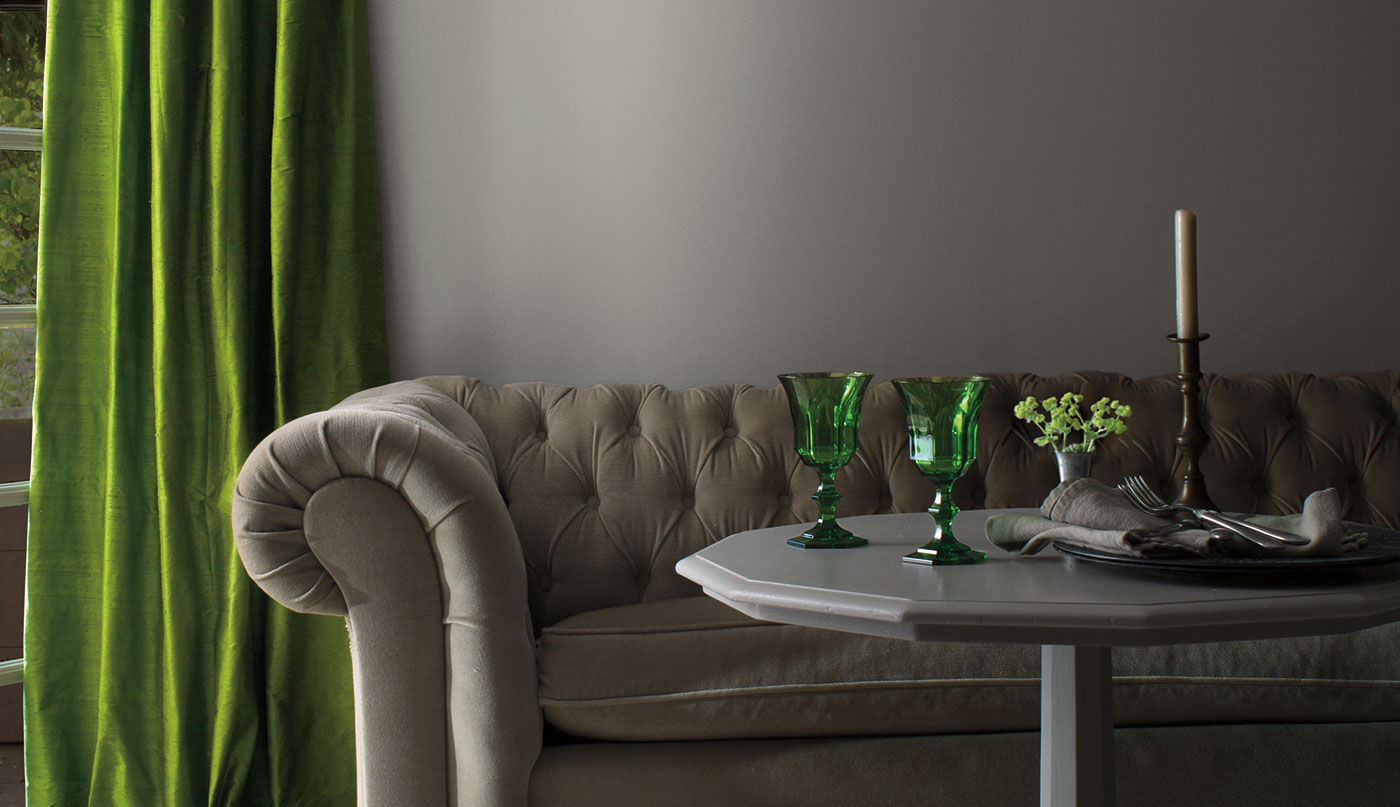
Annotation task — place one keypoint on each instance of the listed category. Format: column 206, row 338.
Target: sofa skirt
column 1275, row 765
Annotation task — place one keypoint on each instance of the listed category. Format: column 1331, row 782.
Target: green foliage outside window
column 21, row 106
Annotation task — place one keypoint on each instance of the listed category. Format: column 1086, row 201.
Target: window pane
column 19, row 225
column 16, row 373
column 21, row 106
column 22, row 69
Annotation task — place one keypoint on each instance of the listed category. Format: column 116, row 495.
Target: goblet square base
column 957, row 555
column 806, row 543
column 827, row 537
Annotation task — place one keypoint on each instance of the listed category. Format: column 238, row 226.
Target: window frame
column 18, row 315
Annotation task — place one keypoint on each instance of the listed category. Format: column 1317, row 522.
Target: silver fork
column 1147, row 500
column 1168, row 512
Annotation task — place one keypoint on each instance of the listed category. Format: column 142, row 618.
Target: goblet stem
column 944, row 549
column 826, row 498
column 942, row 511
column 826, row 533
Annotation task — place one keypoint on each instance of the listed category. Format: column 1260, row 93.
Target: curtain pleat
column 209, row 268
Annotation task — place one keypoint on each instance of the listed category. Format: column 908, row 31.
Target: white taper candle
column 1186, row 325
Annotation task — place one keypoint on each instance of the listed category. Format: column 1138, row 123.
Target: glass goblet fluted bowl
column 825, row 420
column 941, row 413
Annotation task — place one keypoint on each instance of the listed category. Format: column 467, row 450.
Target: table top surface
column 1043, row 599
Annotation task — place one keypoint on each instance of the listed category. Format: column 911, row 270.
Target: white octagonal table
column 1076, row 610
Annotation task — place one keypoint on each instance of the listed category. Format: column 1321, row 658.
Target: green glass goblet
column 825, row 416
column 942, row 417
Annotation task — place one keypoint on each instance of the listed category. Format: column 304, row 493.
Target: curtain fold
column 209, row 268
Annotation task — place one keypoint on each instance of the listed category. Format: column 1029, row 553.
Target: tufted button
column 546, row 583
column 784, row 500
column 592, row 502
column 688, row 502
column 541, row 435
column 643, row 580
column 1294, row 423
column 731, row 432
column 634, row 430
column 1259, row 487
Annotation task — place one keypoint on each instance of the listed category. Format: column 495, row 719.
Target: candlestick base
column 1191, row 438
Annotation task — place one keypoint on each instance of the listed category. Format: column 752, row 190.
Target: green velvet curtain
column 209, row 268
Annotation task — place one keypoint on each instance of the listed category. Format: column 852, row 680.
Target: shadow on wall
column 14, row 533
column 11, row 775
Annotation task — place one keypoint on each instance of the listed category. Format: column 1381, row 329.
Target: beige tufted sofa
column 505, row 557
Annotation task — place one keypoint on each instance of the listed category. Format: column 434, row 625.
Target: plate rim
column 1226, row 565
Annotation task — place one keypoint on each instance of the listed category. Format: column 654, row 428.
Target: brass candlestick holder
column 1191, row 439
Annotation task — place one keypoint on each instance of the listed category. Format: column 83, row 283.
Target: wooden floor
column 11, row 776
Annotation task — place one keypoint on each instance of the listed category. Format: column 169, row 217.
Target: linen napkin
column 1088, row 513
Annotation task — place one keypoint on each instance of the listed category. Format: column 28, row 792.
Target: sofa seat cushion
column 695, row 669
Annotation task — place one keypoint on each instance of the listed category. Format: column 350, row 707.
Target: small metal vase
column 1073, row 464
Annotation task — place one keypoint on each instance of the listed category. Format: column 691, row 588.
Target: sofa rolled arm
column 385, row 510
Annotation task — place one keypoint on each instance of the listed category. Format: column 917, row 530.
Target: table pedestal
column 1076, row 726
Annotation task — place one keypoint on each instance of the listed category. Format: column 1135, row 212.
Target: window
column 22, row 28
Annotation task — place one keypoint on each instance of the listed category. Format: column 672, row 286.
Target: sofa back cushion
column 610, row 485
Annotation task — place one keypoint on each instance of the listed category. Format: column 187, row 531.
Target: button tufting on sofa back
column 610, row 485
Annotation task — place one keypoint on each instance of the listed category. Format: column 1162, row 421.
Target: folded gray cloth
column 1088, row 513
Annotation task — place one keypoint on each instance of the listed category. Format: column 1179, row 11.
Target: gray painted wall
column 684, row 191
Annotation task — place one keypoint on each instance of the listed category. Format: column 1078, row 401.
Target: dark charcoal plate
column 1382, row 546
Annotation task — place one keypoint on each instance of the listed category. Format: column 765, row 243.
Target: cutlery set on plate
column 1146, row 499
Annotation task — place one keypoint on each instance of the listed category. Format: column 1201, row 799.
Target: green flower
column 1062, row 419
